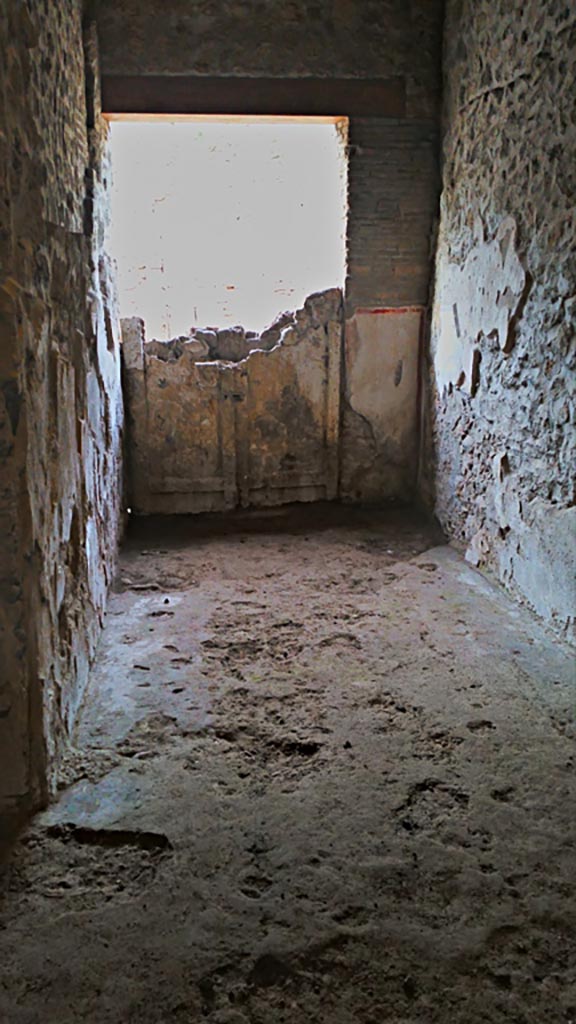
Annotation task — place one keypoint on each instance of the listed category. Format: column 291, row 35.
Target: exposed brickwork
column 392, row 195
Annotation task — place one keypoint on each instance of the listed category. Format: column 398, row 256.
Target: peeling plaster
column 477, row 299
column 499, row 457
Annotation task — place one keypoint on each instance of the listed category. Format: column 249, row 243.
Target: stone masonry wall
column 502, row 441
column 60, row 399
column 393, row 168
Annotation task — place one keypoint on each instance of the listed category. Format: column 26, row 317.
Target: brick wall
column 392, row 193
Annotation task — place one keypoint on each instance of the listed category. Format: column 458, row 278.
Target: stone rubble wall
column 501, row 446
column 60, row 398
column 231, row 344
column 393, row 177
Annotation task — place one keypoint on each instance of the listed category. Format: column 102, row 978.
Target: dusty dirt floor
column 324, row 773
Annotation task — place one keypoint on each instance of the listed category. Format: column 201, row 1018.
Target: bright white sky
column 216, row 224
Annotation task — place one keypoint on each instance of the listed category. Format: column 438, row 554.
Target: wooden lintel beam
column 284, row 97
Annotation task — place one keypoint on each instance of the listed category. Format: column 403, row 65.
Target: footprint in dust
column 429, row 801
column 503, row 795
column 148, row 734
column 268, row 971
column 255, row 886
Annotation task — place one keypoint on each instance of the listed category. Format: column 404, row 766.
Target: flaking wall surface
column 502, row 407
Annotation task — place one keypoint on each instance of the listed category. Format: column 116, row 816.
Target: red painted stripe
column 385, row 310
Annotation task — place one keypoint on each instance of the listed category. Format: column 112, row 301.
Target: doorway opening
column 218, row 223
column 226, row 221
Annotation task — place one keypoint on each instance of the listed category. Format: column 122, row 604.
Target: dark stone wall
column 277, row 38
column 60, row 400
